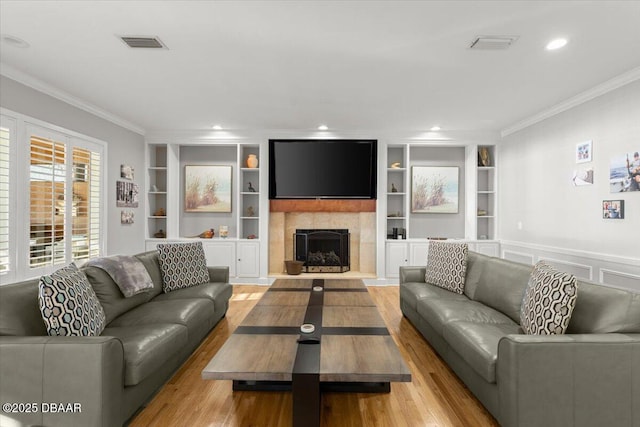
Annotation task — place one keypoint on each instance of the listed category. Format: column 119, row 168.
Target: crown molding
column 596, row 91
column 34, row 83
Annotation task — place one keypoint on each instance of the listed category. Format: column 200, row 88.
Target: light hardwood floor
column 434, row 397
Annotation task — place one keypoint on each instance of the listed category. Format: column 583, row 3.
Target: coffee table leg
column 306, row 400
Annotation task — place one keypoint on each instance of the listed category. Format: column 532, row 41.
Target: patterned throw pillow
column 69, row 305
column 182, row 265
column 447, row 265
column 548, row 301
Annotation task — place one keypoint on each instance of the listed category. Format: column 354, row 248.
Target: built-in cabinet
column 168, row 221
column 475, row 221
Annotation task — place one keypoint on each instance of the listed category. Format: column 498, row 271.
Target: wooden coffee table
column 350, row 350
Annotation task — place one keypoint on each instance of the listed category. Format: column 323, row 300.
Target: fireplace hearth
column 322, row 250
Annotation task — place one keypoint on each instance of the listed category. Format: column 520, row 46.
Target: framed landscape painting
column 207, row 188
column 434, row 189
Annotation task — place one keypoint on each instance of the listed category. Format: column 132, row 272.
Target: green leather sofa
column 104, row 380
column 587, row 377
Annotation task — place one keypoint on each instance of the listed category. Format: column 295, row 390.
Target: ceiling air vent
column 143, row 42
column 492, row 42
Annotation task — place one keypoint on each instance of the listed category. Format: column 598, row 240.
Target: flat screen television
column 322, row 168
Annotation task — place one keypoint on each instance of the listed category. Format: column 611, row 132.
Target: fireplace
column 322, row 250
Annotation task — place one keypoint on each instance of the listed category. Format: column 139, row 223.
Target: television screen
column 331, row 169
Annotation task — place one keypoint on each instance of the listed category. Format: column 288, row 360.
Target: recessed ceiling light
column 216, row 127
column 14, row 41
column 435, row 128
column 323, row 127
column 556, row 44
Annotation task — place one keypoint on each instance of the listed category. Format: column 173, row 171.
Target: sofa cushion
column 182, row 265
column 219, row 293
column 548, row 301
column 601, row 309
column 147, row 347
column 150, row 261
column 477, row 344
column 440, row 312
column 447, row 265
column 501, row 286
column 192, row 313
column 19, row 311
column 68, row 304
column 413, row 292
column 476, row 264
column 111, row 299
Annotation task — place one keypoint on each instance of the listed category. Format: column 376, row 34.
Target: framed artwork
column 126, row 172
column 583, row 152
column 126, row 217
column 613, row 209
column 126, row 194
column 207, row 188
column 624, row 172
column 582, row 177
column 434, row 189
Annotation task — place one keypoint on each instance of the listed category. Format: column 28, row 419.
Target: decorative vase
column 252, row 161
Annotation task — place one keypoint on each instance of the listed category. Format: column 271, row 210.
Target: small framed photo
column 126, row 172
column 613, row 209
column 126, row 217
column 584, row 152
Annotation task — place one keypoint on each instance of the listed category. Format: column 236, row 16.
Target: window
column 60, row 189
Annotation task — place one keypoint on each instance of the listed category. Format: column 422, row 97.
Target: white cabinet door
column 396, row 257
column 220, row 254
column 418, row 254
column 488, row 248
column 248, row 259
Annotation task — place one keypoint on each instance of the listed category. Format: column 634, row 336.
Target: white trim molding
column 610, row 270
column 581, row 98
column 30, row 81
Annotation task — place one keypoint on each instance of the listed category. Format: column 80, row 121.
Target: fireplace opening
column 322, row 250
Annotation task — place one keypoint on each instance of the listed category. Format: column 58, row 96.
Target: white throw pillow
column 69, row 305
column 447, row 265
column 548, row 301
column 183, row 265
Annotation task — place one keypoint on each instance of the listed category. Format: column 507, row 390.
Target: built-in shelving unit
column 165, row 190
column 250, row 186
column 157, row 190
column 486, row 193
column 396, row 190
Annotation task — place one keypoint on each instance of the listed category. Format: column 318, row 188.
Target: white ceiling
column 292, row 65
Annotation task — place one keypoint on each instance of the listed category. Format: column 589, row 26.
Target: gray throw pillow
column 183, row 265
column 447, row 265
column 548, row 301
column 69, row 305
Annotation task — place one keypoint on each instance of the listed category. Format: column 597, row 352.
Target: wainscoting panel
column 609, row 270
column 518, row 256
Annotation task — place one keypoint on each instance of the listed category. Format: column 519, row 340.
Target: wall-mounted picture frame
column 584, row 152
column 126, row 194
column 613, row 209
column 126, row 172
column 126, row 217
column 434, row 189
column 624, row 172
column 207, row 188
column 582, row 177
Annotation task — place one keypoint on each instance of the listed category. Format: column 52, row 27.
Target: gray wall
column 451, row 226
column 535, row 170
column 194, row 223
column 124, row 147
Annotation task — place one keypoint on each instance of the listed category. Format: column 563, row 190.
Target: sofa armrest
column 85, row 374
column 218, row 274
column 412, row 274
column 569, row 380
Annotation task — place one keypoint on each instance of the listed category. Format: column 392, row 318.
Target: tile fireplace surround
column 361, row 225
